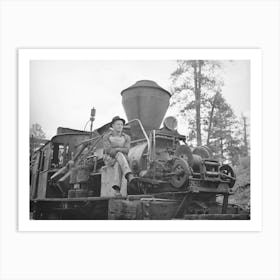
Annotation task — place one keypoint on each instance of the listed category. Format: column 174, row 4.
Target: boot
column 131, row 178
column 117, row 190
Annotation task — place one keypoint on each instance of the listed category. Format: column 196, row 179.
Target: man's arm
column 126, row 147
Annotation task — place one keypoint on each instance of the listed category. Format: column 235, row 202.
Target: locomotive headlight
column 170, row 123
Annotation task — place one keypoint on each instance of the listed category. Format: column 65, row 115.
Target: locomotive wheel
column 202, row 151
column 181, row 172
column 185, row 153
column 227, row 173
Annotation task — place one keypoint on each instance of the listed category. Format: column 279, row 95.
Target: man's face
column 118, row 126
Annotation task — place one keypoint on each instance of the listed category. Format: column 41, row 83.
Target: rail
column 143, row 131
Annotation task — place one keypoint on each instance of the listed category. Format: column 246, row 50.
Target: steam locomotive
column 70, row 181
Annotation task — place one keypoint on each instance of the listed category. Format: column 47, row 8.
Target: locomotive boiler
column 70, row 181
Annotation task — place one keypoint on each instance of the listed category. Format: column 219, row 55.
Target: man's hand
column 113, row 152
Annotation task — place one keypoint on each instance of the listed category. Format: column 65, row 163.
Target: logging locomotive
column 70, row 181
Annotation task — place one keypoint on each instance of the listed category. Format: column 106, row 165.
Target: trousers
column 120, row 165
column 113, row 173
column 122, row 161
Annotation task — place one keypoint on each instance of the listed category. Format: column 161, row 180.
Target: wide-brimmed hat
column 117, row 118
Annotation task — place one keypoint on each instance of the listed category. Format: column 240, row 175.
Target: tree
column 221, row 136
column 197, row 95
column 37, row 131
column 193, row 83
column 245, row 135
column 214, row 104
column 37, row 137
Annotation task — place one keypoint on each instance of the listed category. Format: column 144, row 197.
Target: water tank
column 146, row 101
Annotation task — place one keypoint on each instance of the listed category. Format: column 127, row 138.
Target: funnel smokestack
column 146, row 101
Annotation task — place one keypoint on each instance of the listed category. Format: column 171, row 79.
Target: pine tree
column 194, row 82
column 223, row 135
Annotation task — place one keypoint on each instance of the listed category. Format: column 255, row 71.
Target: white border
column 24, row 58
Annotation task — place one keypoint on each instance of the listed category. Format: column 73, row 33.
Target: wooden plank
column 210, row 190
column 146, row 208
column 217, row 217
column 181, row 208
column 79, row 199
column 159, row 210
column 123, row 210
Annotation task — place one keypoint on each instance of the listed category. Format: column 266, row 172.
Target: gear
column 181, row 173
column 227, row 173
column 184, row 151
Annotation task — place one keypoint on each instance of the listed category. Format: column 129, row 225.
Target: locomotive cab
column 49, row 159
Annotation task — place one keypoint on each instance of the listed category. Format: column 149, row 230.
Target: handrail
column 143, row 130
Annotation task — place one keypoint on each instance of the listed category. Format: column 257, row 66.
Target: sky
column 62, row 93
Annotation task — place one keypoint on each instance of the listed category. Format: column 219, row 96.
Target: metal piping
column 143, row 130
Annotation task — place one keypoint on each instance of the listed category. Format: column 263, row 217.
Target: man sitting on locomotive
column 116, row 146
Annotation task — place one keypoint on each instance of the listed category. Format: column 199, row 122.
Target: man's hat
column 117, row 118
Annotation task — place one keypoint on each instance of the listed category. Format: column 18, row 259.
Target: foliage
column 242, row 185
column 37, row 137
column 194, row 83
column 37, row 131
column 197, row 95
column 222, row 137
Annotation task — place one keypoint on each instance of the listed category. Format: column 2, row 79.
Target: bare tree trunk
column 197, row 91
column 245, row 134
column 211, row 118
column 222, row 149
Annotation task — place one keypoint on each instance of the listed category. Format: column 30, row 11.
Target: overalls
column 120, row 161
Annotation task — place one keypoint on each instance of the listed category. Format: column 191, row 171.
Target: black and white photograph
column 140, row 139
